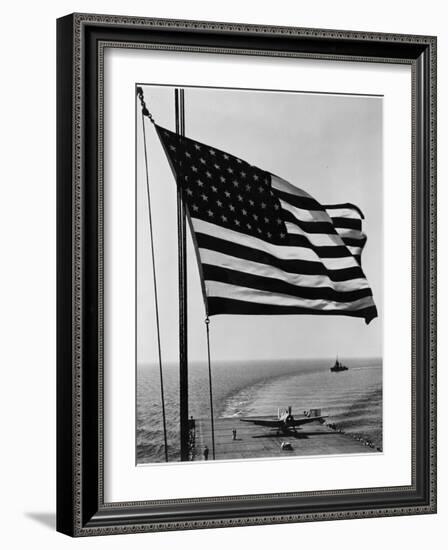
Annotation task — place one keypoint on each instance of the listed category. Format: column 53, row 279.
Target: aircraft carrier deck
column 259, row 442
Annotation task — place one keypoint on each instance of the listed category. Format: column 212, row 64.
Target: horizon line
column 204, row 361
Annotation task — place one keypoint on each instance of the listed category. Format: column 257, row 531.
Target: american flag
column 265, row 246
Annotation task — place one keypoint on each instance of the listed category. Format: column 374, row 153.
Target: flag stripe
column 306, row 203
column 361, row 241
column 226, row 290
column 277, row 286
column 292, row 265
column 351, row 234
column 317, row 239
column 326, row 228
column 219, row 305
column 277, row 251
column 346, row 205
column 331, row 251
column 214, row 258
column 344, row 212
column 303, row 215
column 348, row 223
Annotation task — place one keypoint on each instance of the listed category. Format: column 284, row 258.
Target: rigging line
column 156, row 300
column 207, row 325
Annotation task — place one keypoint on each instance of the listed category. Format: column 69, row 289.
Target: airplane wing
column 307, row 419
column 268, row 422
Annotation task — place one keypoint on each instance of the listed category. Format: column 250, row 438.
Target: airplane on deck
column 285, row 421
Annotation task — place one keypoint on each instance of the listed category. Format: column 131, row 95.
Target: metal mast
column 179, row 100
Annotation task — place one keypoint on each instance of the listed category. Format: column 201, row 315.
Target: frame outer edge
column 433, row 274
column 70, row 514
column 65, row 371
column 221, row 26
column 78, row 253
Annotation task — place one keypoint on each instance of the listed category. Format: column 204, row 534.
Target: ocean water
column 351, row 399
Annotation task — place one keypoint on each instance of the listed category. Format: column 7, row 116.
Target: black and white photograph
column 259, row 273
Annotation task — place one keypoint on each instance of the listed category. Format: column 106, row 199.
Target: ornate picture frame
column 82, row 40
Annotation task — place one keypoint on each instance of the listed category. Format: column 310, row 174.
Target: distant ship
column 338, row 366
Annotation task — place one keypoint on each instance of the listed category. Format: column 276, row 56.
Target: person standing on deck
column 206, row 453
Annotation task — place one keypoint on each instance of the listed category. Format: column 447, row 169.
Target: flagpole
column 179, row 100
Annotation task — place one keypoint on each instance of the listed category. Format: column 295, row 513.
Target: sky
column 328, row 145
